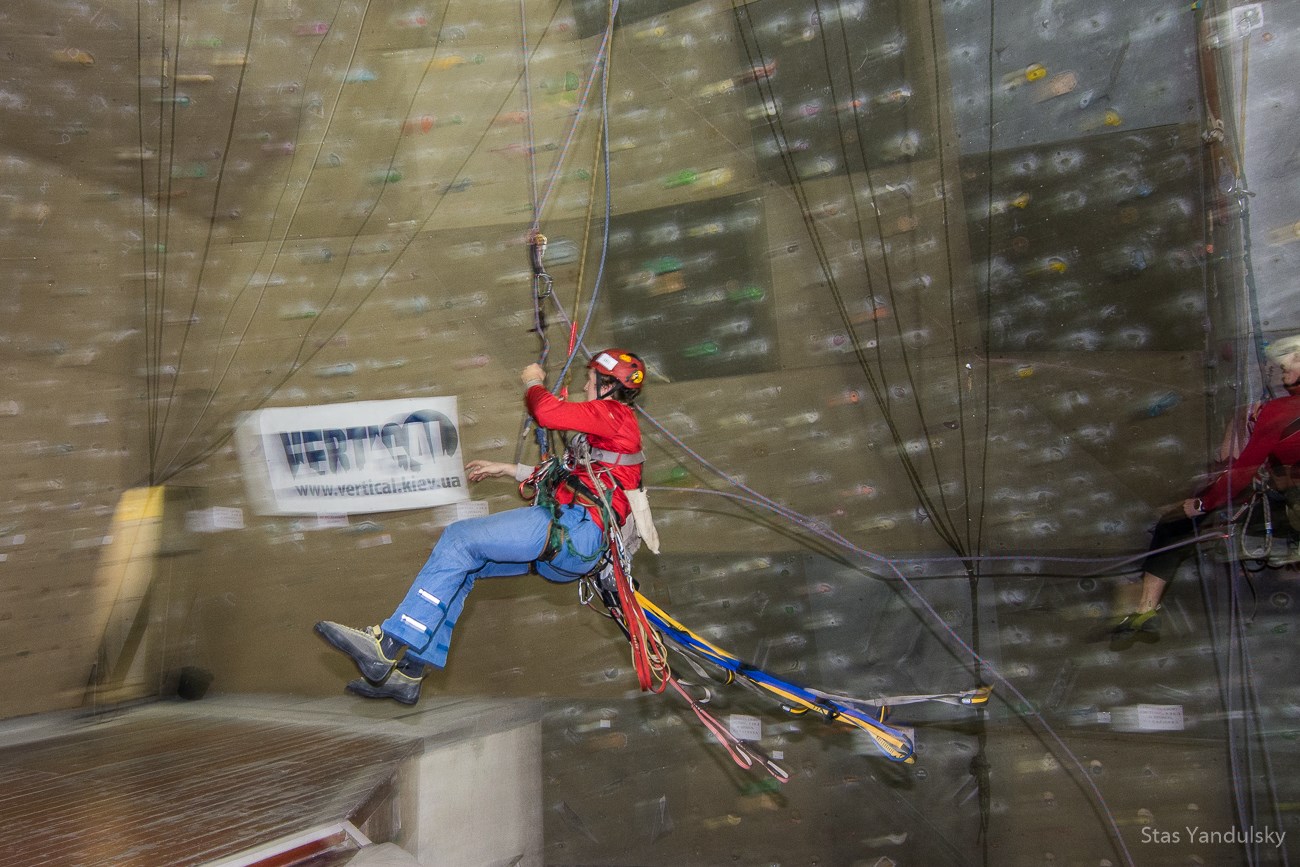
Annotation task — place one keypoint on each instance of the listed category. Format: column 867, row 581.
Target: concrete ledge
column 462, row 784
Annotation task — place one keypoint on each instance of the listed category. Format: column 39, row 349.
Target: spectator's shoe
column 1148, row 631
column 400, row 687
column 374, row 652
column 1143, row 626
column 1108, row 628
column 1146, row 621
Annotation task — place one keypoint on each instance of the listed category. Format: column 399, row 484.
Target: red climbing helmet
column 621, row 365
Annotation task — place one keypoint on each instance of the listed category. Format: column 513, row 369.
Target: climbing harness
column 576, row 467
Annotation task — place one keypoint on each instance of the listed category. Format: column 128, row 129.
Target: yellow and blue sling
column 895, row 744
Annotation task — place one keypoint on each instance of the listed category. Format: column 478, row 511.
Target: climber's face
column 1291, row 378
column 1285, row 353
column 1289, row 364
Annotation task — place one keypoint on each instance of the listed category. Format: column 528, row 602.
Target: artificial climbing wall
column 931, row 278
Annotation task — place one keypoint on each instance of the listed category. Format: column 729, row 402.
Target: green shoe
column 1145, row 621
column 1143, row 627
column 1125, row 626
column 1106, row 630
column 1148, row 627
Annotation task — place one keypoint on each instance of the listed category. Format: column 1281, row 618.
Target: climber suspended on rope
column 1263, row 478
column 588, row 518
column 583, row 497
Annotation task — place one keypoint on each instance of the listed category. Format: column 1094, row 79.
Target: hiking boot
column 374, row 652
column 400, row 687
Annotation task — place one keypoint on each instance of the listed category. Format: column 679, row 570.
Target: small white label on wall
column 1148, row 718
column 453, row 512
column 214, row 520
column 331, row 522
column 745, row 728
column 227, row 518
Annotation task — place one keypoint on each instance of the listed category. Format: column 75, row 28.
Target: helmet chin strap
column 610, row 387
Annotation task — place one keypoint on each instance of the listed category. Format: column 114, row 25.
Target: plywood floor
column 167, row 789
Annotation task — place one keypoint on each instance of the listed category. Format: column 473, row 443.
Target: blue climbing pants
column 507, row 543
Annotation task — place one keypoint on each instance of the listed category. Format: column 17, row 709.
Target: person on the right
column 1274, row 438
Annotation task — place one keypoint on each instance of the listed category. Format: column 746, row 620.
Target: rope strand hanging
column 542, row 284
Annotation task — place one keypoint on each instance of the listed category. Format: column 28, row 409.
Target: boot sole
column 365, row 689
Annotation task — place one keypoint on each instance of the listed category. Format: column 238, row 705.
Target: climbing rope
column 542, row 282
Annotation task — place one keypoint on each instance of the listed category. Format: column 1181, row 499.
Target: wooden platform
column 176, row 784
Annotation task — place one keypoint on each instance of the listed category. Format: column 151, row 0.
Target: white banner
column 348, row 458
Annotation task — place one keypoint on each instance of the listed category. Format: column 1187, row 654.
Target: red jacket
column 609, row 425
column 1274, row 437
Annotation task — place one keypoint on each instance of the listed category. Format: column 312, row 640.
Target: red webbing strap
column 740, row 754
column 648, row 657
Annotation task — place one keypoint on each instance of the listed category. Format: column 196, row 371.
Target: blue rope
column 582, row 102
column 609, row 207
